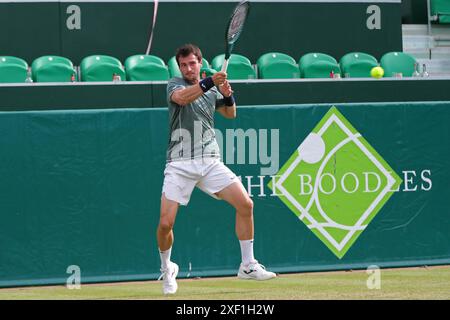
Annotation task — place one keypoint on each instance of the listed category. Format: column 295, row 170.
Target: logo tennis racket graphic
column 335, row 182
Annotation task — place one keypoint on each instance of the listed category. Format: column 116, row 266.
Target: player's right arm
column 183, row 97
column 186, row 95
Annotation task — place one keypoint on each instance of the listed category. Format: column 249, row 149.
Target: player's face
column 190, row 67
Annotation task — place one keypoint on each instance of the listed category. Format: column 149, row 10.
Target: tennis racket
column 155, row 12
column 234, row 29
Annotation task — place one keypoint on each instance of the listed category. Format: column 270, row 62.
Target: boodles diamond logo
column 335, row 182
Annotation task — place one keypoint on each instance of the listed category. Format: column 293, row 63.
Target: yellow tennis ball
column 377, row 72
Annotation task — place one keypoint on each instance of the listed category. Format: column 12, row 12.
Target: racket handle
column 224, row 65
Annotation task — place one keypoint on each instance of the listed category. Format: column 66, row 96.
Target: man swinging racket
column 193, row 160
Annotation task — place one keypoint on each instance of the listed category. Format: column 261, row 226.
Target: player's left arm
column 227, row 105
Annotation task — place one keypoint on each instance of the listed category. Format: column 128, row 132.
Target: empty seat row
column 272, row 65
column 321, row 65
column 276, row 65
column 92, row 68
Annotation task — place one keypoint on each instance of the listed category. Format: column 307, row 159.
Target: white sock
column 247, row 252
column 165, row 257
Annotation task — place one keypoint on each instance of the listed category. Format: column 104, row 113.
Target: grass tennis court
column 411, row 283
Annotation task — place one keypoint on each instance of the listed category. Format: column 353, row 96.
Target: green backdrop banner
column 77, row 29
column 335, row 187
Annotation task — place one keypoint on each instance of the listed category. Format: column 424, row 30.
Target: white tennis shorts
column 208, row 174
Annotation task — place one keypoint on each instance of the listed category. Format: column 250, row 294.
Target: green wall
column 122, row 29
column 414, row 12
column 82, row 187
column 51, row 96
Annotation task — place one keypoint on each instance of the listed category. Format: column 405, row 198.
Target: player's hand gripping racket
column 234, row 29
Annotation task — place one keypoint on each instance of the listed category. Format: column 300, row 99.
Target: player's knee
column 246, row 206
column 249, row 204
column 166, row 225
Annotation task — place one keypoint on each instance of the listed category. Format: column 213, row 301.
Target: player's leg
column 164, row 234
column 220, row 182
column 236, row 195
column 179, row 182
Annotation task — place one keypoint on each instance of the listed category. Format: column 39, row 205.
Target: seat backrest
column 174, row 70
column 318, row 65
column 273, row 57
column 101, row 68
column 276, row 65
column 146, row 68
column 217, row 62
column 239, row 66
column 51, row 68
column 241, row 71
column 205, row 63
column 312, row 57
column 206, row 72
column 397, row 62
column 441, row 9
column 357, row 64
column 13, row 69
column 137, row 59
column 440, row 6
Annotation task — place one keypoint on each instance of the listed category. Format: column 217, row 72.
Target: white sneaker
column 168, row 277
column 255, row 271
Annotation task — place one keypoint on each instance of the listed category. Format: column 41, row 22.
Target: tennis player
column 193, row 160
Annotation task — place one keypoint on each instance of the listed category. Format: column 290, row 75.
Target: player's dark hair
column 186, row 50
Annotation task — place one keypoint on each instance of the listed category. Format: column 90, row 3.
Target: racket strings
column 237, row 22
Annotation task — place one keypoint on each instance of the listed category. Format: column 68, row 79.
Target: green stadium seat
column 52, row 69
column 174, row 70
column 276, row 65
column 206, row 69
column 206, row 72
column 357, row 64
column 397, row 62
column 318, row 65
column 205, row 63
column 441, row 10
column 13, row 69
column 218, row 60
column 101, row 68
column 239, row 67
column 146, row 68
